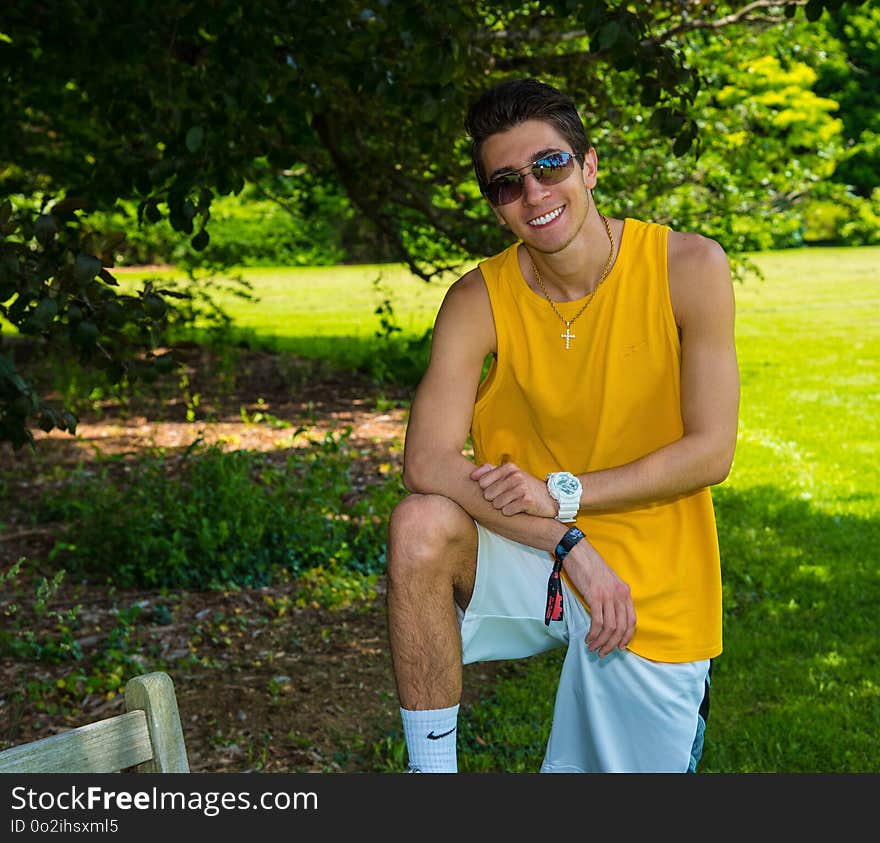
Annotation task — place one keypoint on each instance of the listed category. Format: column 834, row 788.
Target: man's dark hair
column 513, row 102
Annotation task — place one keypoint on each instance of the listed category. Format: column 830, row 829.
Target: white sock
column 431, row 739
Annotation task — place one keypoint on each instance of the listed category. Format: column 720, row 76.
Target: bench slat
column 106, row 746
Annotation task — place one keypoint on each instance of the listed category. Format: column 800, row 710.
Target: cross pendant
column 568, row 336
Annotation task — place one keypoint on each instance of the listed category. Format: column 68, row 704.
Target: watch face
column 567, row 484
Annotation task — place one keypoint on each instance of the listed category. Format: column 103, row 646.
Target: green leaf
column 70, row 421
column 68, row 205
column 114, row 313
column 682, row 144
column 22, row 406
column 152, row 212
column 609, row 34
column 813, row 10
column 7, row 368
column 8, row 373
column 47, row 419
column 43, row 314
column 107, row 278
column 45, row 228
column 194, row 138
column 650, row 93
column 200, row 241
column 154, row 306
column 86, row 332
column 86, row 267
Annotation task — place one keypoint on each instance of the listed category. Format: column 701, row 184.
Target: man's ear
column 501, row 220
column 590, row 169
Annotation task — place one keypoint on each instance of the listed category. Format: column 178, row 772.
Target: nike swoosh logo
column 433, row 737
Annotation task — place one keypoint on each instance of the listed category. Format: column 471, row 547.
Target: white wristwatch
column 566, row 490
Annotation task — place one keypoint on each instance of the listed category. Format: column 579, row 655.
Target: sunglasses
column 550, row 169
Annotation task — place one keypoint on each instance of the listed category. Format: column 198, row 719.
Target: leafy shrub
column 214, row 517
column 398, row 360
column 285, row 221
column 32, row 629
column 35, row 632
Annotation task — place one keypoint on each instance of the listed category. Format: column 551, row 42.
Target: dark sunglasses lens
column 505, row 190
column 553, row 169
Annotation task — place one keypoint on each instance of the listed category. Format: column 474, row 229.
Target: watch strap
column 568, row 504
column 567, row 511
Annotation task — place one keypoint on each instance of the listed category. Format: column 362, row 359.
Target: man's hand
column 612, row 614
column 511, row 490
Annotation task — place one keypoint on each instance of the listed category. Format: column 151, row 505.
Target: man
column 586, row 520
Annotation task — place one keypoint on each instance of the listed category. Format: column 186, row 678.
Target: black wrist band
column 553, row 610
column 566, row 543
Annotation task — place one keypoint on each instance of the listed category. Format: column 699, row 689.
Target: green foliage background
column 705, row 113
column 787, row 155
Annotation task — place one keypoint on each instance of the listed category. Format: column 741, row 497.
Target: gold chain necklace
column 568, row 336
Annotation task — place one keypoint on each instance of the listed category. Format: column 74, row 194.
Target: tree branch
column 744, row 15
column 749, row 14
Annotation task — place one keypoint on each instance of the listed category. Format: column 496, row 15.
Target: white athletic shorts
column 620, row 713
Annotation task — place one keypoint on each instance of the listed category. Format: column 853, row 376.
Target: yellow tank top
column 610, row 398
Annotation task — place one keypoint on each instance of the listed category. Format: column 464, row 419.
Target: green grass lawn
column 797, row 687
column 329, row 312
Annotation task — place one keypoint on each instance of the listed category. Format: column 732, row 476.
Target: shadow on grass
column 806, row 575
column 797, row 685
column 392, row 357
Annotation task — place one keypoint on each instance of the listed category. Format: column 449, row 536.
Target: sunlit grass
column 312, row 310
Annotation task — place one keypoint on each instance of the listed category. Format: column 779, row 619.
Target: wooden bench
column 147, row 738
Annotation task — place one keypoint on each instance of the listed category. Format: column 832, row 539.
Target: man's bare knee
column 429, row 530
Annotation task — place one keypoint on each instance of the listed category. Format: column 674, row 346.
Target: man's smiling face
column 546, row 217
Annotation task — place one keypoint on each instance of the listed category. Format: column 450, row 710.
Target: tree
column 174, row 104
column 853, row 77
column 766, row 142
column 851, row 74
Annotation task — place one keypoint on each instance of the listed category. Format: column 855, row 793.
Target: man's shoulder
column 465, row 316
column 687, row 248
column 466, row 298
column 699, row 274
column 467, row 286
